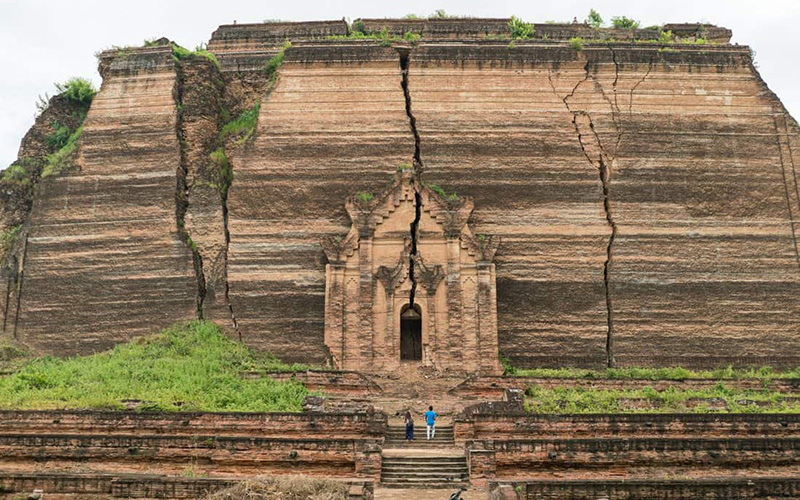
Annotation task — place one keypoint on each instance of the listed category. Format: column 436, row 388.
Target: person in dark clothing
column 409, row 426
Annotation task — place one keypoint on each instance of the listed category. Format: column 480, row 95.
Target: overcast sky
column 43, row 42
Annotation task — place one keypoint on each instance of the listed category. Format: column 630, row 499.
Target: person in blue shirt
column 430, row 419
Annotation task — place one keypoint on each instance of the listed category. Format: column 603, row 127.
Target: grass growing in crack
column 189, row 366
column 452, row 197
column 242, row 126
column 718, row 399
column 271, row 68
column 224, row 171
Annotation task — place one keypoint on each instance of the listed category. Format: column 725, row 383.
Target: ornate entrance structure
column 411, row 282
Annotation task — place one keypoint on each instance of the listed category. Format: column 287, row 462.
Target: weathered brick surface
column 335, row 122
column 104, row 261
column 296, row 425
column 726, row 489
column 526, row 426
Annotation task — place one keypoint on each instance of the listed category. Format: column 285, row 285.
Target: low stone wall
column 494, row 387
column 330, row 425
column 536, row 457
column 509, row 427
column 328, row 381
column 129, row 486
column 630, row 489
column 211, row 454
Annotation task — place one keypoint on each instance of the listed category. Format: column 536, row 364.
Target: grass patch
column 243, row 126
column 16, row 175
column 383, row 37
column 189, row 366
column 576, row 43
column 365, row 197
column 719, row 399
column 284, row 488
column 61, row 160
column 275, row 62
column 765, row 373
column 181, row 53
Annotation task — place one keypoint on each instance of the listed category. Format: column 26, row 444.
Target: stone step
column 425, row 484
column 427, row 461
column 416, row 469
column 433, row 476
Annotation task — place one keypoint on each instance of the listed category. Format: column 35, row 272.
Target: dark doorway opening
column 410, row 334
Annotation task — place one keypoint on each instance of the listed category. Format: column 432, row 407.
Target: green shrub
column 7, row 240
column 519, row 28
column 243, row 125
column 439, row 14
column 58, row 137
column 61, row 160
column 271, row 68
column 77, row 90
column 364, row 196
column 437, row 189
column 665, row 37
column 594, row 19
column 225, row 171
column 189, row 366
column 412, row 37
column 16, row 175
column 576, row 43
column 358, row 26
column 622, row 22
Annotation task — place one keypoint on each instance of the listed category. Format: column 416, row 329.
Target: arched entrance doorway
column 410, row 334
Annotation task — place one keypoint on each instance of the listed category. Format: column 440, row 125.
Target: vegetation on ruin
column 365, row 197
column 441, row 192
column 284, row 488
column 16, row 175
column 576, row 43
column 189, row 366
column 61, row 160
column 223, row 171
column 594, row 19
column 58, row 138
column 180, row 54
column 669, row 373
column 719, row 398
column 383, row 37
column 625, row 23
column 275, row 62
column 242, row 127
column 77, row 90
column 520, row 29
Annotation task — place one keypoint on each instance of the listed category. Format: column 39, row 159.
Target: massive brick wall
column 702, row 268
column 335, row 123
column 651, row 194
column 103, row 260
column 493, row 127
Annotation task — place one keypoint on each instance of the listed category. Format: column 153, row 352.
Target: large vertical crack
column 182, row 195
column 418, row 169
column 593, row 150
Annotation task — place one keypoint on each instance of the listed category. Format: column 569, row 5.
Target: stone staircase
column 395, row 437
column 423, row 463
column 410, row 471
